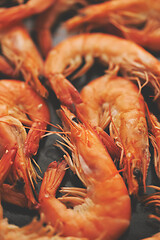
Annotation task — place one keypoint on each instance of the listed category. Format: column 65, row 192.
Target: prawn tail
column 65, row 91
column 52, row 179
column 6, row 163
column 11, row 194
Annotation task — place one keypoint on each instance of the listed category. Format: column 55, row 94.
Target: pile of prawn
column 106, row 130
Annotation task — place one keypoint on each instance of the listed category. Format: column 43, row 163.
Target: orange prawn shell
column 125, row 16
column 18, row 47
column 131, row 60
column 18, row 94
column 106, row 102
column 107, row 204
column 19, row 103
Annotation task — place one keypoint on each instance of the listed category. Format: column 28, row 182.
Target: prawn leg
column 153, row 200
column 154, row 127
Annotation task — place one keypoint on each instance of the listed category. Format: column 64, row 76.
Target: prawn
column 19, row 103
column 48, row 18
column 106, row 102
column 136, row 20
column 131, row 60
column 102, row 210
column 13, row 14
column 37, row 229
column 13, row 134
column 18, row 48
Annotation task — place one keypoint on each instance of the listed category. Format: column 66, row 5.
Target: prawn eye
column 137, row 173
column 139, row 177
column 74, row 119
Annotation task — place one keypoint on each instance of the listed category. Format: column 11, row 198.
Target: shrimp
column 137, row 20
column 27, row 8
column 131, row 60
column 116, row 102
column 19, row 103
column 102, row 210
column 18, row 48
column 36, row 230
column 13, row 134
column 48, row 18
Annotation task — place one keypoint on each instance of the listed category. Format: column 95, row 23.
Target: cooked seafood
column 19, row 103
column 131, row 60
column 18, row 48
column 11, row 15
column 103, row 209
column 116, row 102
column 48, row 18
column 137, row 20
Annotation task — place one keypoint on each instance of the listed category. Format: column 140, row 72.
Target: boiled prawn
column 136, row 20
column 48, row 18
column 116, row 102
column 103, row 209
column 130, row 59
column 18, row 48
column 19, row 103
column 13, row 14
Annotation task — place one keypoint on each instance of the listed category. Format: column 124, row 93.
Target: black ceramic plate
column 140, row 227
